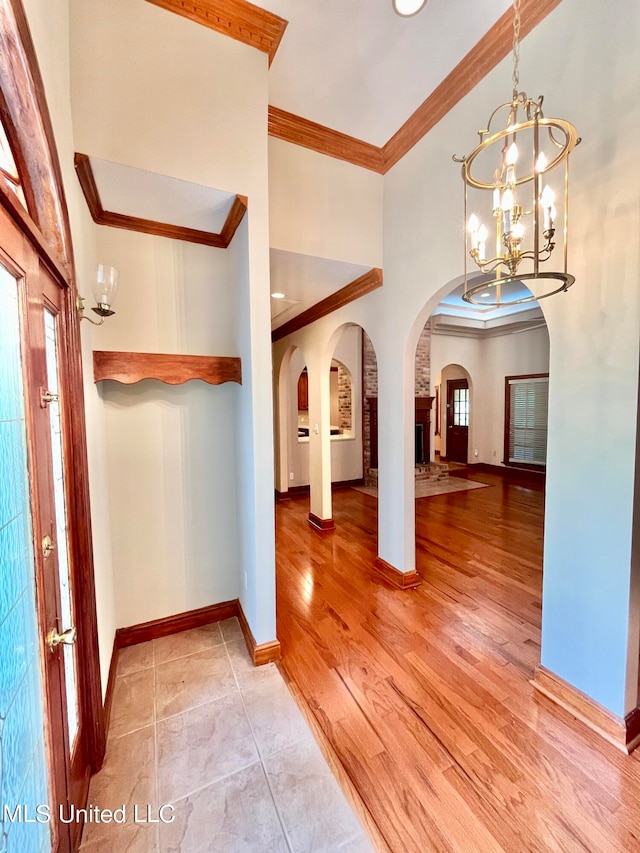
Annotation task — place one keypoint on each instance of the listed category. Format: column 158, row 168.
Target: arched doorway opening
column 480, row 504
column 456, row 415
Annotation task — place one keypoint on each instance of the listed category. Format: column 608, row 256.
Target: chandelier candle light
column 513, row 167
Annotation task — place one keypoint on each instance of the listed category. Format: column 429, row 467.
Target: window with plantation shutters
column 527, row 405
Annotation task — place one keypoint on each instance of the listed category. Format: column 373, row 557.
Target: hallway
column 424, row 695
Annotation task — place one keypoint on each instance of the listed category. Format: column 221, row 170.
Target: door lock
column 48, row 546
column 47, row 397
column 66, row 638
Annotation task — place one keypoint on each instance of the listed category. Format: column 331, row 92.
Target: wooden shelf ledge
column 131, row 367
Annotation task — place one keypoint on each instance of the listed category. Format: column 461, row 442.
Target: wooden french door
column 51, row 607
column 457, row 420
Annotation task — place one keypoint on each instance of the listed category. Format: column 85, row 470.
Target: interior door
column 56, row 717
column 457, row 420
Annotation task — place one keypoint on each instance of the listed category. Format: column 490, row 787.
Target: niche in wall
column 341, row 401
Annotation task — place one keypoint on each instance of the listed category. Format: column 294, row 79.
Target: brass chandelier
column 512, row 167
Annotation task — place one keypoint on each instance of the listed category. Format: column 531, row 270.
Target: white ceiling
column 136, row 192
column 357, row 67
column 305, row 280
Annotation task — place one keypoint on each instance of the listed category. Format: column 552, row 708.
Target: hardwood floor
column 424, row 696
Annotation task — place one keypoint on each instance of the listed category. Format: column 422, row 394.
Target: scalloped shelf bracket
column 131, row 367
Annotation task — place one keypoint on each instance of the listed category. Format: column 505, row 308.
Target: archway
column 487, row 373
column 291, row 408
column 455, row 417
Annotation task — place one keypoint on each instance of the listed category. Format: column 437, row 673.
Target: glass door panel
column 23, row 776
column 66, row 596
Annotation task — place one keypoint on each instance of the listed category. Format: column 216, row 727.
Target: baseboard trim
column 622, row 732
column 322, row 524
column 293, row 491
column 261, row 653
column 401, row 580
column 111, row 683
column 347, row 484
column 174, row 624
column 526, row 475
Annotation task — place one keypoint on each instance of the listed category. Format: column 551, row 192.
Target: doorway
column 457, row 420
column 46, row 731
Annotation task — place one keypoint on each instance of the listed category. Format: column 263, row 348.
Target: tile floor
column 195, row 725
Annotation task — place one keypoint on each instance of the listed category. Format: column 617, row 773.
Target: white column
column 396, row 461
column 319, row 441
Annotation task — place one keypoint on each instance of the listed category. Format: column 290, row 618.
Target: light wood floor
column 424, row 695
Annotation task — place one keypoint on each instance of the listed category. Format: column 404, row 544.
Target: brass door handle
column 66, row 638
column 48, row 546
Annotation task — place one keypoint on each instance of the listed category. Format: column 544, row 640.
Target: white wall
column 171, row 449
column 324, row 207
column 49, row 25
column 506, row 355
column 487, row 361
column 155, row 91
column 594, row 332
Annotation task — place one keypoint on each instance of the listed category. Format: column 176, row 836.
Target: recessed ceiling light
column 485, row 295
column 407, row 8
column 277, row 295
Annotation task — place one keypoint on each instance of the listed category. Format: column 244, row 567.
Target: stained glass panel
column 23, row 777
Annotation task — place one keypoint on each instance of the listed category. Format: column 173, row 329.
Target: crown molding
column 237, row 19
column 481, row 59
column 324, row 140
column 469, row 327
column 371, row 280
column 149, row 226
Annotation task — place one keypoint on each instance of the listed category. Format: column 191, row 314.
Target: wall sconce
column 104, row 290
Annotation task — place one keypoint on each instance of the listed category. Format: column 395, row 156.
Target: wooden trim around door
column 366, row 283
column 25, row 115
column 238, row 19
column 149, row 226
column 622, row 732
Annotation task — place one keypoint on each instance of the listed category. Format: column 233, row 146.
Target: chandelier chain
column 516, row 49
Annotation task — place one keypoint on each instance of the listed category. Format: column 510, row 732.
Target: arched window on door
column 8, row 169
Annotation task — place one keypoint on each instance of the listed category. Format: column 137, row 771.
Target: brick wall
column 370, row 374
column 423, row 363
column 344, row 397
